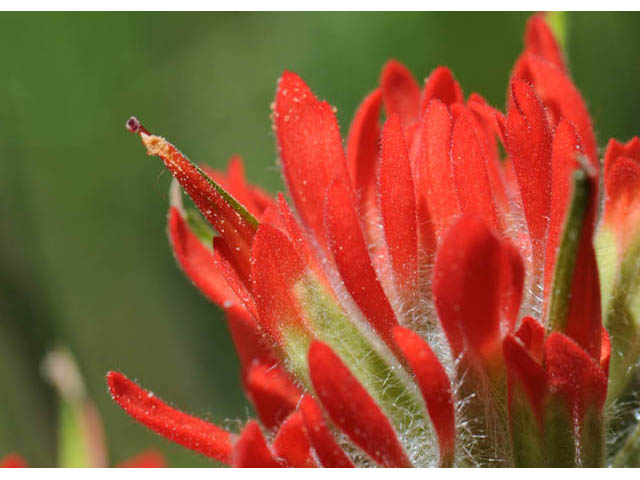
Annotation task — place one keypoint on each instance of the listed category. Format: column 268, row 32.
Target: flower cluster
column 435, row 297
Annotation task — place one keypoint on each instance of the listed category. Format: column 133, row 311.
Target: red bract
column 426, row 302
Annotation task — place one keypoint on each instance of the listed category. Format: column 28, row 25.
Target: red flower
column 427, row 302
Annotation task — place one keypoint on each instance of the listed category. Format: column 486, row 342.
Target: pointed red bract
column 492, row 117
column 351, row 256
column 362, row 149
column 574, row 375
column 532, row 335
column 147, row 459
column 466, row 287
column 233, row 273
column 310, row 147
column 528, row 141
column 615, row 149
column 475, row 194
column 487, row 124
column 400, row 92
column 524, row 372
column 324, row 444
column 539, row 40
column 398, row 208
column 561, row 98
column 232, row 221
column 197, row 262
column 234, row 181
column 298, row 237
column 584, row 318
column 251, row 450
column 435, row 387
column 352, row 409
column 292, row 443
column 564, row 161
column 247, row 337
column 273, row 393
column 275, row 268
column 512, row 284
column 174, row 425
column 622, row 181
column 432, row 169
column 441, row 85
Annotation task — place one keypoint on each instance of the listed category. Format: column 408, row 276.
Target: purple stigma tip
column 133, row 125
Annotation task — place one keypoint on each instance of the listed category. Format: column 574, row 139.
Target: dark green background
column 84, row 259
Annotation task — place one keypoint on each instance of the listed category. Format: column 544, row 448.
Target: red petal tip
column 352, row 408
column 177, row 426
column 251, row 450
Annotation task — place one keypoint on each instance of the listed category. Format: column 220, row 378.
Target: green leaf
column 568, row 250
column 200, row 227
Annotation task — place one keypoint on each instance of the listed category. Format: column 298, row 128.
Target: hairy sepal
column 435, row 386
column 296, row 307
column 467, row 286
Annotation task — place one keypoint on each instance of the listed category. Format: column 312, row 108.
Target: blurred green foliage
column 84, row 259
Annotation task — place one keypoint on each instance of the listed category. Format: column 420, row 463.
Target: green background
column 84, row 259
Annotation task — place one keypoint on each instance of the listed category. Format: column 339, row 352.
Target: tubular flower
column 425, row 302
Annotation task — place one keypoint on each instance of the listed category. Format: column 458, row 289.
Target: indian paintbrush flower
column 426, row 302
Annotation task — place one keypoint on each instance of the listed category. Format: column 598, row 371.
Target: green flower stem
column 567, row 252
